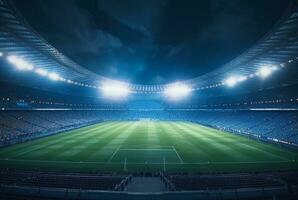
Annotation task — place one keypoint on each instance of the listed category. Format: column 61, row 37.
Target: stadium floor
column 148, row 146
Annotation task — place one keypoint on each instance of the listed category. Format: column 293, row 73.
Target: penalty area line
column 174, row 149
column 113, row 155
column 145, row 149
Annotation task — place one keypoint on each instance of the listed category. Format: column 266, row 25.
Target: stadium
column 148, row 99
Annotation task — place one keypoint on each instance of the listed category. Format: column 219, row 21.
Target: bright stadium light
column 265, row 71
column 19, row 63
column 53, row 76
column 41, row 72
column 1, row 54
column 231, row 81
column 241, row 78
column 177, row 91
column 274, row 67
column 115, row 90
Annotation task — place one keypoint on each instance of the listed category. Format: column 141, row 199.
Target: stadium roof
column 278, row 47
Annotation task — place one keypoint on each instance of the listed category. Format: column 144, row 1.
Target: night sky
column 152, row 41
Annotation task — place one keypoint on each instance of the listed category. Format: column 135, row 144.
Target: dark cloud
column 152, row 41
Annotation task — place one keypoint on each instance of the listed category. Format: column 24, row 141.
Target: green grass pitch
column 147, row 146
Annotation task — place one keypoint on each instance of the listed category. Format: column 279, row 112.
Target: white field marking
column 154, row 146
column 177, row 154
column 151, row 163
column 114, row 153
column 146, row 149
column 124, row 167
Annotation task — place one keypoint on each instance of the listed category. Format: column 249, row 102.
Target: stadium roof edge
column 277, row 47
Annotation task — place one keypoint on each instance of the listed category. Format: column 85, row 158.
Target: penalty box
column 146, row 156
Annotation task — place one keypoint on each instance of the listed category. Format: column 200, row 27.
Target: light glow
column 53, row 76
column 41, row 72
column 242, row 78
column 19, row 63
column 231, row 81
column 177, row 91
column 265, row 71
column 274, row 67
column 115, row 90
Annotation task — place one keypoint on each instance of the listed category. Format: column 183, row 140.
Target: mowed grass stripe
column 255, row 149
column 96, row 148
column 242, row 139
column 76, row 153
column 111, row 144
column 43, row 143
column 136, row 138
column 188, row 147
column 89, row 144
column 66, row 164
column 24, row 146
column 153, row 134
column 246, row 145
column 201, row 141
column 215, row 144
column 49, row 139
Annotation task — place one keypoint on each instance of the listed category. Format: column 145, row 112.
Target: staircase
column 145, row 184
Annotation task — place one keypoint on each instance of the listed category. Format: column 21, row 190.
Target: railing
column 122, row 185
column 169, row 184
column 58, row 193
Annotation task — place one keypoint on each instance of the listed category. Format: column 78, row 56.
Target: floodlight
column 242, row 78
column 1, row 54
column 41, row 72
column 19, row 63
column 231, row 81
column 115, row 90
column 265, row 71
column 53, row 76
column 177, row 91
column 251, row 75
column 274, row 68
